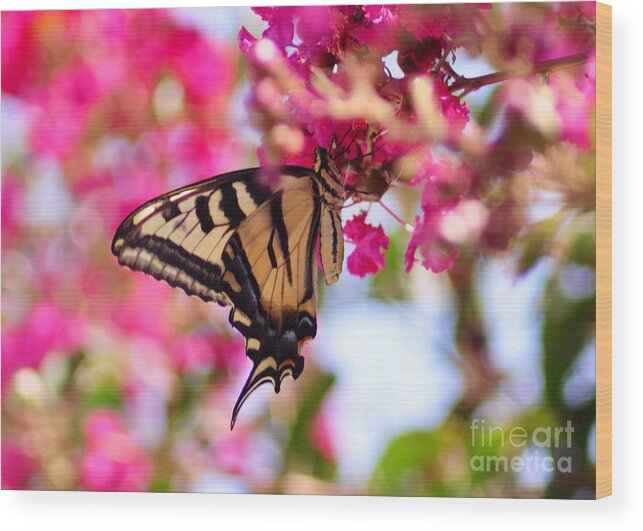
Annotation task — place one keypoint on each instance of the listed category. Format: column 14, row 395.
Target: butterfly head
column 322, row 158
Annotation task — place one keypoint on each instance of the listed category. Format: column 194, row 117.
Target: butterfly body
column 247, row 239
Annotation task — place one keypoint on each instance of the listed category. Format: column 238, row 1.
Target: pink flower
column 288, row 97
column 193, row 153
column 445, row 185
column 421, row 57
column 321, row 435
column 63, row 109
column 316, row 23
column 454, row 110
column 445, row 182
column 232, row 453
column 112, row 460
column 280, row 24
column 144, row 312
column 543, row 35
column 370, row 242
column 13, row 207
column 93, row 78
column 436, row 254
column 246, row 40
column 436, row 21
column 197, row 352
column 424, row 21
column 204, row 70
column 100, row 424
column 575, row 105
column 574, row 10
column 46, row 329
column 378, row 29
column 17, row 467
column 192, row 353
column 22, row 55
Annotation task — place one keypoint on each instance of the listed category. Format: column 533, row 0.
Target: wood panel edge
column 603, row 250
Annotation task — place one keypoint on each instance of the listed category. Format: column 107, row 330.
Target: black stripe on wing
column 179, row 236
column 259, row 187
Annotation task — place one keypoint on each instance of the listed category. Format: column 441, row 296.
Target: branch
column 475, row 83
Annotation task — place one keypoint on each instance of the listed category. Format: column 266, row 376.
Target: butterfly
column 248, row 239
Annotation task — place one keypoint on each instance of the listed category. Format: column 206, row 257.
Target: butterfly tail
column 265, row 370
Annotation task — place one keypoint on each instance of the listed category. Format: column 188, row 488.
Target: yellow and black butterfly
column 248, row 239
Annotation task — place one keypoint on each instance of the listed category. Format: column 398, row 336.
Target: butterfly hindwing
column 270, row 275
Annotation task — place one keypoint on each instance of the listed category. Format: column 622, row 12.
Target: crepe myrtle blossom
column 46, row 329
column 380, row 83
column 17, row 467
column 78, row 74
column 443, row 188
column 322, row 436
column 370, row 243
column 121, row 105
column 13, row 199
column 319, row 79
column 205, row 350
column 112, row 460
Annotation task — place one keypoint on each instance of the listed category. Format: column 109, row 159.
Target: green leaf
column 105, row 394
column 569, row 324
column 537, row 242
column 487, row 113
column 415, row 463
column 301, row 453
column 582, row 249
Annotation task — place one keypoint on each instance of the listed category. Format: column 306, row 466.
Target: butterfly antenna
column 339, row 144
column 349, row 145
column 401, row 172
column 375, row 149
column 348, row 170
column 354, row 190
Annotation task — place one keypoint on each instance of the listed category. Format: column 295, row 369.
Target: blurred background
column 114, row 381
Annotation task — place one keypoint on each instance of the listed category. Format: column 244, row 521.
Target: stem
column 442, row 60
column 397, row 218
column 475, row 83
column 449, row 70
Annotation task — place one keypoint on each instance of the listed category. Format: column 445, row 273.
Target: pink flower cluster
column 207, row 350
column 445, row 185
column 380, row 80
column 17, row 467
column 320, row 75
column 112, row 460
column 47, row 329
column 328, row 60
column 118, row 106
column 124, row 105
column 369, row 241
